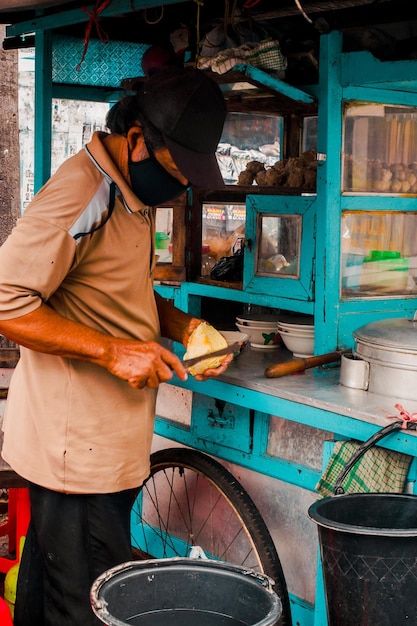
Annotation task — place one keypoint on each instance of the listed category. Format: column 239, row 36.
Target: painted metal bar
column 388, row 307
column 43, row 107
column 328, row 190
column 378, row 202
column 371, row 94
column 320, row 614
column 301, row 611
column 235, row 295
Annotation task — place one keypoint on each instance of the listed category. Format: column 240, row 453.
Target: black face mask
column 152, row 183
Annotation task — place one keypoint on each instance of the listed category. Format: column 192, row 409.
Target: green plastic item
column 10, row 582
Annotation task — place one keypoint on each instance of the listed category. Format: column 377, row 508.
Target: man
column 76, row 292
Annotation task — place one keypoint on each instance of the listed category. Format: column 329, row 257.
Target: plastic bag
column 229, row 268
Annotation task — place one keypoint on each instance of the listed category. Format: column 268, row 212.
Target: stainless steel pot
column 390, row 348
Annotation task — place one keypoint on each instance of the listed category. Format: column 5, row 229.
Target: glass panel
column 379, row 253
column 223, row 232
column 380, row 149
column 26, row 96
column 292, row 441
column 310, row 130
column 248, row 137
column 163, row 244
column 279, row 239
column 73, row 124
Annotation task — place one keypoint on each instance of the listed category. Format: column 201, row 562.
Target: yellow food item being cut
column 203, row 340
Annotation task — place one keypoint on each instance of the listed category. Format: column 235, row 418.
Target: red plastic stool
column 5, row 617
column 16, row 526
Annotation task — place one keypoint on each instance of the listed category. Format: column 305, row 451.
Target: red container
column 5, row 617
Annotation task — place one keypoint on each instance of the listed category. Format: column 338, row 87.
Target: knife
column 233, row 347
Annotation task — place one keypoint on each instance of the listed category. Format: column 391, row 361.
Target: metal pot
column 390, row 348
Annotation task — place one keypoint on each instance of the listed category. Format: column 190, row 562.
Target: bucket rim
column 99, row 605
column 354, row 529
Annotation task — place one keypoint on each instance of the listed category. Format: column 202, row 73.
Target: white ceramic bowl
column 257, row 320
column 265, row 337
column 299, row 345
column 305, row 327
column 234, row 336
column 296, row 321
column 300, row 332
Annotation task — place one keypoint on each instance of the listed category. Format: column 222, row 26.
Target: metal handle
column 380, row 434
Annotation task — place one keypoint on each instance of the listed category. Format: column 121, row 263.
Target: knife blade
column 233, row 347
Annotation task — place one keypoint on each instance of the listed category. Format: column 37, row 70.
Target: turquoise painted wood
column 285, row 288
column 218, row 422
column 231, row 421
column 328, row 192
column 364, row 70
column 293, row 93
column 330, row 421
column 43, row 108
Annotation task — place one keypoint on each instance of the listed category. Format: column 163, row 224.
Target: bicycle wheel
column 191, row 502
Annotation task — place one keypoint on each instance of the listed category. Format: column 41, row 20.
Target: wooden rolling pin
column 301, row 364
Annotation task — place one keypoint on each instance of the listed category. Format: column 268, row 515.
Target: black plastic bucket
column 184, row 592
column 368, row 544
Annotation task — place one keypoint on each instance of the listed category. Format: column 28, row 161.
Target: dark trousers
column 71, row 540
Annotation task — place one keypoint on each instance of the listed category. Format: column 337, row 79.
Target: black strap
column 112, row 200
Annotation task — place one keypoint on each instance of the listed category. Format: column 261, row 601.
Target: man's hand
column 144, row 364
column 211, row 372
column 214, row 372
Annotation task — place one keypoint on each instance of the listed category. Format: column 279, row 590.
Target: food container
column 390, row 348
column 162, row 240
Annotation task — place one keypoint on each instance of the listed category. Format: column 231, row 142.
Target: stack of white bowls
column 262, row 330
column 297, row 335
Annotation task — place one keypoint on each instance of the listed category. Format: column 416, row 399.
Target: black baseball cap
column 189, row 109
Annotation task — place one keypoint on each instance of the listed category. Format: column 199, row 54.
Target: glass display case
column 223, row 232
column 170, row 241
column 249, row 137
column 280, row 258
column 279, row 239
column 379, row 149
column 379, row 253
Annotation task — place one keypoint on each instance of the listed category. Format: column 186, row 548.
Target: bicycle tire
column 175, row 522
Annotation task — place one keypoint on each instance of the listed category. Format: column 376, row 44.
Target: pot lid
column 395, row 333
